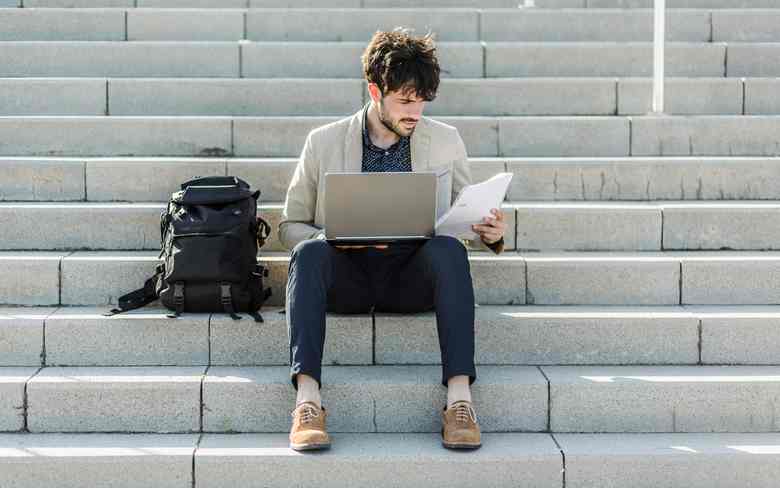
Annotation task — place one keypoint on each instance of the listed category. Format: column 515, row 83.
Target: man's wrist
column 494, row 245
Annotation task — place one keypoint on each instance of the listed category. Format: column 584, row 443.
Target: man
column 388, row 134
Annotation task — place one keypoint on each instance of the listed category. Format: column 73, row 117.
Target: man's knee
column 311, row 250
column 445, row 247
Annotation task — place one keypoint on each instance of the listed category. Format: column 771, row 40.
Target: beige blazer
column 338, row 147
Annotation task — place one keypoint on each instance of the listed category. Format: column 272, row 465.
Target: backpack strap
column 138, row 298
column 263, row 231
column 178, row 299
column 227, row 300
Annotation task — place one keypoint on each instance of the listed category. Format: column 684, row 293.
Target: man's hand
column 493, row 228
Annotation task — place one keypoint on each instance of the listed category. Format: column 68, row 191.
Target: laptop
column 379, row 207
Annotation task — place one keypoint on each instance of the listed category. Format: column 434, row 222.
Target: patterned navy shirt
column 397, row 157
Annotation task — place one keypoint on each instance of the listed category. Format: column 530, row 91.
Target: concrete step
column 563, row 278
column 358, row 24
column 712, row 460
column 699, row 4
column 505, row 335
column 138, row 179
column 222, row 4
column 222, row 59
column 168, row 461
column 642, row 460
column 531, row 226
column 663, row 398
column 336, row 97
column 544, row 136
column 378, row 398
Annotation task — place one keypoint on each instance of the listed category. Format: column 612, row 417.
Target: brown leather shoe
column 459, row 426
column 308, row 427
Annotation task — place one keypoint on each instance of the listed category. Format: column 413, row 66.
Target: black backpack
column 210, row 234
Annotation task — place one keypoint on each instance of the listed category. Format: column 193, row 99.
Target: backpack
column 209, row 234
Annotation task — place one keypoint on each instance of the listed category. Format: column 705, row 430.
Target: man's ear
column 373, row 90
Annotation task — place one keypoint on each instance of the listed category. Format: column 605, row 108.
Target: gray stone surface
column 23, row 96
column 600, row 278
column 29, row 179
column 342, row 59
column 240, row 97
column 564, row 136
column 184, row 25
column 739, row 334
column 371, row 399
column 348, row 339
column 517, row 96
column 530, row 25
column 83, row 336
column 748, row 25
column 12, row 381
column 479, row 134
column 550, row 335
column 663, row 398
column 706, row 135
column 273, row 136
column 644, row 178
column 122, row 59
column 358, row 25
column 144, row 179
column 726, row 225
column 120, row 272
column 30, row 278
column 498, row 280
column 684, row 96
column 80, row 226
column 731, row 278
column 96, row 460
column 588, row 227
column 269, row 175
column 115, row 399
column 57, row 25
column 21, row 335
column 601, row 59
column 77, row 3
column 103, row 136
column 670, row 460
column 761, row 96
column 358, row 460
column 753, row 59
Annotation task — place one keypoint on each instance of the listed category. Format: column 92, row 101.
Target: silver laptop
column 388, row 207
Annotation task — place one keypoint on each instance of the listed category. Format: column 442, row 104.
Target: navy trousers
column 404, row 278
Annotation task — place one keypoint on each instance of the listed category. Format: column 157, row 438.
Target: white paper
column 472, row 205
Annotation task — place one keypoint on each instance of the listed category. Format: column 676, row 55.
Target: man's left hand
column 493, row 228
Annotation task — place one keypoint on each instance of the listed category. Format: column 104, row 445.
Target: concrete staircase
column 628, row 337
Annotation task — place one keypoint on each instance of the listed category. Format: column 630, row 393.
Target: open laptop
column 379, row 208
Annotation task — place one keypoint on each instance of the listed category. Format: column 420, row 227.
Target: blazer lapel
column 353, row 144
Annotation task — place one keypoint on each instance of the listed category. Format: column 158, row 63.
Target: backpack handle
column 215, row 181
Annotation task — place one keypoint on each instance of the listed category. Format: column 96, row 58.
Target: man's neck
column 380, row 135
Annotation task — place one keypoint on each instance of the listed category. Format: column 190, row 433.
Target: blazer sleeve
column 462, row 178
column 297, row 222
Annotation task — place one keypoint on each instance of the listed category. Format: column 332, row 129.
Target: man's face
column 400, row 110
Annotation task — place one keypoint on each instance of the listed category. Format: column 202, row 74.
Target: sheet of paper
column 472, row 205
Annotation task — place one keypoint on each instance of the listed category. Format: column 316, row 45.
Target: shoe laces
column 308, row 413
column 464, row 411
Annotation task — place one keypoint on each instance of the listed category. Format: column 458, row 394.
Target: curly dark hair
column 399, row 60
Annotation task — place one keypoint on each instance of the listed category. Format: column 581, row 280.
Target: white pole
column 658, row 56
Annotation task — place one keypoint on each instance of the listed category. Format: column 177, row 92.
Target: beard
column 394, row 125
